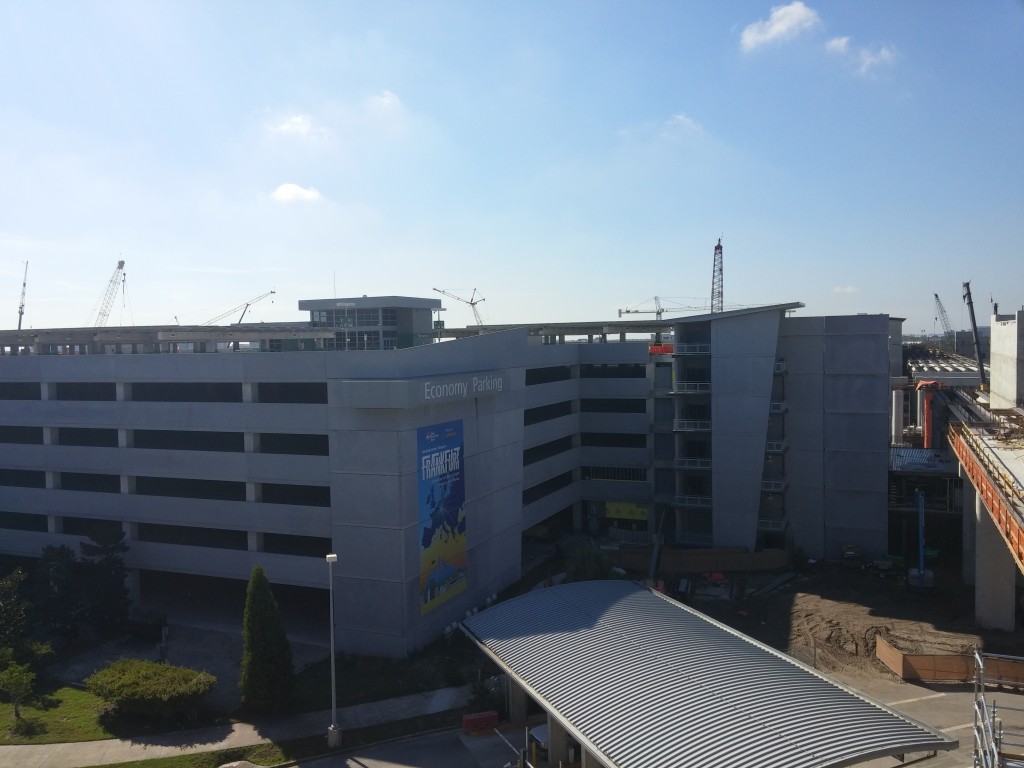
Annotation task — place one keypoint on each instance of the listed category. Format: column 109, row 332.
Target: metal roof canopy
column 642, row 681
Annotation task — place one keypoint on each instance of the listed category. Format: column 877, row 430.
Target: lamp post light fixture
column 333, row 733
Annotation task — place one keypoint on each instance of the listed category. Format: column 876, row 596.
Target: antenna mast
column 21, row 306
column 717, row 299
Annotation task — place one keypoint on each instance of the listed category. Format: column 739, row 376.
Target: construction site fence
column 948, row 668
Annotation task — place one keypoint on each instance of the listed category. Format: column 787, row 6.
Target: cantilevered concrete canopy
column 641, row 681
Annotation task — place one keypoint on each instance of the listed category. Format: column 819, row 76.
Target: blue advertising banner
column 442, row 520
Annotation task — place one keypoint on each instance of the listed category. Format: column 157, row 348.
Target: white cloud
column 863, row 59
column 785, row 22
column 868, row 60
column 839, row 45
column 681, row 125
column 288, row 193
column 845, row 289
column 300, row 125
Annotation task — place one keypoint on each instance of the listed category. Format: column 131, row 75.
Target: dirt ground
column 830, row 618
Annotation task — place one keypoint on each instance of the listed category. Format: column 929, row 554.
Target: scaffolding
column 996, row 745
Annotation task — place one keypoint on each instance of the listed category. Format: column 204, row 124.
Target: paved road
column 448, row 749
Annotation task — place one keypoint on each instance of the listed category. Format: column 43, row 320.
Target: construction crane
column 472, row 301
column 658, row 310
column 983, row 384
column 717, row 293
column 21, row 306
column 244, row 307
column 107, row 301
column 949, row 338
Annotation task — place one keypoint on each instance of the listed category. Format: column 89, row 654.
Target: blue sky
column 565, row 159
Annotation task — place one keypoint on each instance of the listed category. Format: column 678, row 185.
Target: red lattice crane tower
column 717, row 300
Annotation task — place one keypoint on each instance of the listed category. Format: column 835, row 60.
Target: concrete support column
column 968, row 499
column 255, row 541
column 125, row 438
column 558, row 742
column 249, row 392
column 252, row 491
column 589, row 761
column 995, row 575
column 123, row 390
column 50, row 435
column 54, row 524
column 252, row 442
column 517, row 699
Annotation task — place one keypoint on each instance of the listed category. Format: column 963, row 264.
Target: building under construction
column 423, row 465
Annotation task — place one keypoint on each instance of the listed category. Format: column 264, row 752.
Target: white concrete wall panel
column 1007, row 361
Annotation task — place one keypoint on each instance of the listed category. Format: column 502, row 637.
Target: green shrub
column 151, row 689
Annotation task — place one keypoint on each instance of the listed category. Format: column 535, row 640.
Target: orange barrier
column 947, row 668
column 478, row 722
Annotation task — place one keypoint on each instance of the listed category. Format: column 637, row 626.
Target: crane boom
column 472, row 301
column 657, row 311
column 717, row 289
column 977, row 338
column 108, row 296
column 947, row 329
column 21, row 306
column 243, row 307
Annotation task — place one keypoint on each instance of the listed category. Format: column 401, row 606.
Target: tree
column 267, row 672
column 104, row 575
column 13, row 610
column 16, row 681
column 58, row 594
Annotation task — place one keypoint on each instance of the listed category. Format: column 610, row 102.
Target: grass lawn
column 55, row 714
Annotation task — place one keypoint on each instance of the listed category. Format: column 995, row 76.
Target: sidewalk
column 87, row 753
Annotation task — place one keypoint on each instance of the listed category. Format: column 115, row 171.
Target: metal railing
column 692, row 349
column 692, row 501
column 692, row 425
column 688, row 462
column 691, row 387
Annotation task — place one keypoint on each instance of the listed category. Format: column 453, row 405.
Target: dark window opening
column 20, row 521
column 302, row 546
column 182, row 440
column 187, row 392
column 188, row 488
column 546, row 488
column 86, row 390
column 306, row 495
column 193, row 536
column 88, row 481
column 546, row 412
column 23, row 478
column 302, row 445
column 612, row 440
column 90, row 527
column 88, row 436
column 614, row 371
column 20, row 390
column 546, row 450
column 293, row 392
column 547, row 375
column 612, row 405
column 22, row 435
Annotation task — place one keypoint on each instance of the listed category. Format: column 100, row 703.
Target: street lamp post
column 333, row 733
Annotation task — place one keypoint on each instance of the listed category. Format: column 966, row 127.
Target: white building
column 423, row 466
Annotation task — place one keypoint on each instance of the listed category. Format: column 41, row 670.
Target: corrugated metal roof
column 644, row 682
column 921, row 461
